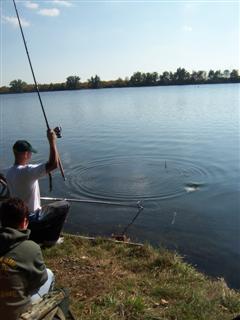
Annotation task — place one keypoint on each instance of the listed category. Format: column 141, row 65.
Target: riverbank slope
column 109, row 280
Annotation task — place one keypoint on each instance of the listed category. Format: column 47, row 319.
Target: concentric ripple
column 136, row 178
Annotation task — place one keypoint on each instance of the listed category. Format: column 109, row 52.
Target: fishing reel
column 58, row 131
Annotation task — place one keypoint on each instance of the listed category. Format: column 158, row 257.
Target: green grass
column 118, row 281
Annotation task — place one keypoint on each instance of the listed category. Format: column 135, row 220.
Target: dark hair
column 12, row 212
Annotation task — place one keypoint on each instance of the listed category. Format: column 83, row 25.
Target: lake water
column 176, row 148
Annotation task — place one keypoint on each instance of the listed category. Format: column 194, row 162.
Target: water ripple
column 138, row 178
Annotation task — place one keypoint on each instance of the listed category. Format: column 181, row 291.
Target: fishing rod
column 140, row 208
column 57, row 129
column 122, row 236
column 139, row 204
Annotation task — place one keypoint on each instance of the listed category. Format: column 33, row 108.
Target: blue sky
column 117, row 38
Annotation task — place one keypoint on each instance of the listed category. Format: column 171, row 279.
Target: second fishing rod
column 57, row 129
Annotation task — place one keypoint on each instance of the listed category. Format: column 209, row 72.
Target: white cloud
column 49, row 12
column 65, row 3
column 14, row 21
column 31, row 5
column 187, row 28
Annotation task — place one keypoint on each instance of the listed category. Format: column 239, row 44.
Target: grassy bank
column 110, row 280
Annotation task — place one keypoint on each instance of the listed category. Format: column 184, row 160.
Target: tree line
column 138, row 79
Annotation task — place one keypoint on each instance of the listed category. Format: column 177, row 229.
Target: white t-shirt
column 23, row 183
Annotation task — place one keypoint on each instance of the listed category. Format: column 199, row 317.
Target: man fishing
column 22, row 179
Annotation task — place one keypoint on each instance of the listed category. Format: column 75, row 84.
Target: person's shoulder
column 19, row 170
column 29, row 247
column 11, row 172
column 15, row 168
column 33, row 166
column 27, row 252
column 37, row 166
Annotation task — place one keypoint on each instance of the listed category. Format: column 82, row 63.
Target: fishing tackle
column 58, row 131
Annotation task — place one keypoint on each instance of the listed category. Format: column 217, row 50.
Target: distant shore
column 85, row 87
column 138, row 79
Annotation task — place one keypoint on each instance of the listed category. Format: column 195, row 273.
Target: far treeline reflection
column 138, row 79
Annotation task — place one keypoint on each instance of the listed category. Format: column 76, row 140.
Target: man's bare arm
column 53, row 153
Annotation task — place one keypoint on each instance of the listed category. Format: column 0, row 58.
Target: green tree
column 120, row 83
column 165, row 78
column 201, row 76
column 94, row 82
column 226, row 74
column 72, row 82
column 137, row 79
column 234, row 75
column 218, row 75
column 211, row 75
column 17, row 86
column 194, row 76
column 181, row 75
column 198, row 76
column 150, row 79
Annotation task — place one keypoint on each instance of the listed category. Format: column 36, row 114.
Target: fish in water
column 192, row 186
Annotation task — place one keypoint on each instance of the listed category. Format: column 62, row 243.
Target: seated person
column 23, row 274
column 22, row 179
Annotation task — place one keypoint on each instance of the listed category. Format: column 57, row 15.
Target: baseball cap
column 23, row 146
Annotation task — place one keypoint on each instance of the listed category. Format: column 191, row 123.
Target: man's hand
column 51, row 137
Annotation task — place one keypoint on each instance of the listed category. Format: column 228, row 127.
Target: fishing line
column 31, row 67
column 36, row 85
